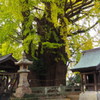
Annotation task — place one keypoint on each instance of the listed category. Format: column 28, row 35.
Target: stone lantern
column 23, row 86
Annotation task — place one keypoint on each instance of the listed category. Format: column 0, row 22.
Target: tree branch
column 79, row 8
column 68, row 4
column 38, row 8
column 82, row 31
column 77, row 13
column 15, row 39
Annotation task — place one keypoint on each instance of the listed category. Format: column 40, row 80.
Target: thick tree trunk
column 50, row 70
column 56, row 74
column 56, row 70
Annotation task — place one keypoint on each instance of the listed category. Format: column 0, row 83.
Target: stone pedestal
column 23, row 86
column 90, row 95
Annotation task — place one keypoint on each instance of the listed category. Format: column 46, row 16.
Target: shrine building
column 89, row 68
column 8, row 74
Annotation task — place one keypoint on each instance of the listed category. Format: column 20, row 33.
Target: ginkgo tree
column 49, row 31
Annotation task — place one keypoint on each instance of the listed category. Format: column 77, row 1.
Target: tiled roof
column 89, row 58
column 7, row 57
column 7, row 63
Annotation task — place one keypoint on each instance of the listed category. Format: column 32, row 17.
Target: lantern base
column 21, row 91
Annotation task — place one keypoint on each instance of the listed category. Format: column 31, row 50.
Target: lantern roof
column 24, row 60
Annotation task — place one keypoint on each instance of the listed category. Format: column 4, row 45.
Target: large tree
column 49, row 31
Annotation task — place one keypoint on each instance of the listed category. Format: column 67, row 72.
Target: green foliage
column 23, row 25
column 34, row 38
column 78, row 43
column 51, row 45
column 74, row 80
column 54, row 14
column 9, row 47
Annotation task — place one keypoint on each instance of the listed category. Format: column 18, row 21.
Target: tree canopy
column 50, row 31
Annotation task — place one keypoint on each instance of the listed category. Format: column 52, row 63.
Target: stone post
column 23, row 86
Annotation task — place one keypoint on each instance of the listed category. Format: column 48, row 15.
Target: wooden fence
column 55, row 90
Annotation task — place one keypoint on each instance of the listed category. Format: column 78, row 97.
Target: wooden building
column 7, row 64
column 8, row 73
column 89, row 68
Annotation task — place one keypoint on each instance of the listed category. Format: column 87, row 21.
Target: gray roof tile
column 89, row 58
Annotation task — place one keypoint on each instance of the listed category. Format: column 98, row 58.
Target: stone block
column 88, row 95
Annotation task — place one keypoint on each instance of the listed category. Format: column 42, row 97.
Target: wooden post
column 98, row 81
column 95, row 81
column 82, row 83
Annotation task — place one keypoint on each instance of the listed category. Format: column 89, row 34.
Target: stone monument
column 23, row 86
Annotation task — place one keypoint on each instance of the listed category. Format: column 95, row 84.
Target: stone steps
column 71, row 96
